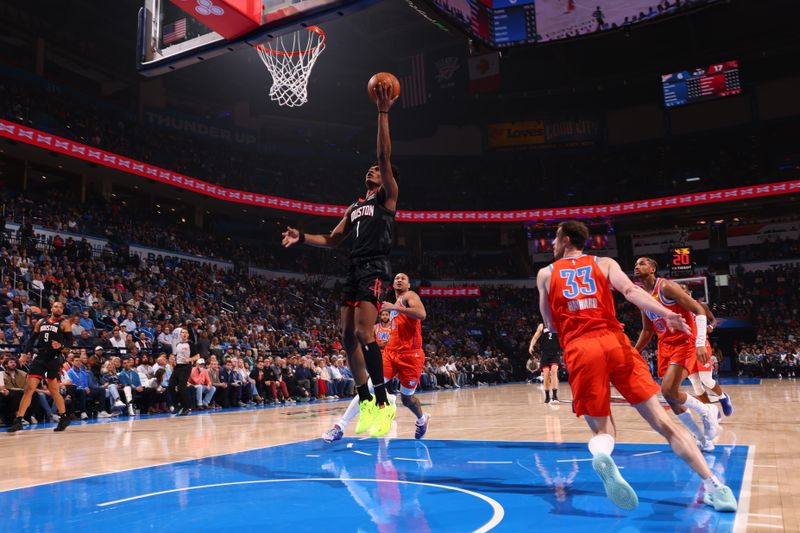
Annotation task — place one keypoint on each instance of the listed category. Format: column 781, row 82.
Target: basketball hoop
column 289, row 60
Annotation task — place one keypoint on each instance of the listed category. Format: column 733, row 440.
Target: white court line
column 770, row 526
column 409, row 459
column 740, row 523
column 490, row 462
column 765, row 466
column 646, row 453
column 498, row 512
column 572, row 460
column 766, row 515
column 359, row 452
column 775, row 487
column 311, row 455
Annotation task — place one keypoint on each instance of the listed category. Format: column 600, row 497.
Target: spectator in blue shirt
column 144, row 397
column 83, row 392
column 87, row 323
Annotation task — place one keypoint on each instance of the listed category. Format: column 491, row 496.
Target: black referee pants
column 180, row 380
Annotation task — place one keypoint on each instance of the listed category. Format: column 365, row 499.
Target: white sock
column 601, row 443
column 421, row 420
column 695, row 405
column 687, row 420
column 712, row 483
column 349, row 414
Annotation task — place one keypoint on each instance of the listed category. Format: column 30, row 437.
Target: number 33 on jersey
column 580, row 297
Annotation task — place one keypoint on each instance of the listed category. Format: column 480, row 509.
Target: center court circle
column 382, row 502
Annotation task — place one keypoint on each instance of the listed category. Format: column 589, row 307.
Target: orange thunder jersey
column 382, row 333
column 665, row 336
column 406, row 332
column 580, row 298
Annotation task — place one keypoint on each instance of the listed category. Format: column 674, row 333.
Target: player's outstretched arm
column 639, row 297
column 671, row 290
column 535, row 339
column 543, row 283
column 646, row 335
column 294, row 236
column 413, row 307
column 384, row 103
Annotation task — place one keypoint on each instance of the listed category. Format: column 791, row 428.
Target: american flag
column 413, row 90
column 174, row 32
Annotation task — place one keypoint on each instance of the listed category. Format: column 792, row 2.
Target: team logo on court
column 446, row 68
column 207, row 7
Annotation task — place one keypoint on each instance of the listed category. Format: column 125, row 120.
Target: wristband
column 302, row 238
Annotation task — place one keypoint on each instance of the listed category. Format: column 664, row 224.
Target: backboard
column 176, row 33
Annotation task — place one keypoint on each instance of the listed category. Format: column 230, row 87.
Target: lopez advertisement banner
column 541, row 133
column 138, row 169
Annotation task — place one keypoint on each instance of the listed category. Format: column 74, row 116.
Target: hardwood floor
column 767, row 417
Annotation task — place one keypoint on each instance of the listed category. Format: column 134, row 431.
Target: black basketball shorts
column 45, row 366
column 367, row 281
column 550, row 359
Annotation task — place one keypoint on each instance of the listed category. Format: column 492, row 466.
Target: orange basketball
column 386, row 78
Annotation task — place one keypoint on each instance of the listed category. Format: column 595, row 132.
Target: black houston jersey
column 48, row 333
column 549, row 343
column 371, row 227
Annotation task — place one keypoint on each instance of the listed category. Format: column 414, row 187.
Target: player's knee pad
column 707, row 380
column 697, row 384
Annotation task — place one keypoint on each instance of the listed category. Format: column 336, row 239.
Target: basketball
column 383, row 77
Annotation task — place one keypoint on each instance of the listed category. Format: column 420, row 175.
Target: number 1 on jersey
column 357, row 225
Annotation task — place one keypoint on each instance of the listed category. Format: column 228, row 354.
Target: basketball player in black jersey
column 370, row 223
column 551, row 358
column 49, row 336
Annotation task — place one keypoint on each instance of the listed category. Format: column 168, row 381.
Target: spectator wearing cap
column 201, row 381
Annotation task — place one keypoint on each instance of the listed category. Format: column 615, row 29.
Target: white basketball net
column 289, row 60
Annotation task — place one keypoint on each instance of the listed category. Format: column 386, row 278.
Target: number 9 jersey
column 580, row 298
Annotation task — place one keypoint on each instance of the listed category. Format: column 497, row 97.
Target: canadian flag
column 484, row 72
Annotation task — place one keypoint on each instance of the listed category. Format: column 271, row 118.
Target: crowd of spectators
column 260, row 340
column 769, row 300
column 121, row 225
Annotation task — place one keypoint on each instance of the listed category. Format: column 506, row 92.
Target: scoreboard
column 504, row 23
column 689, row 86
column 681, row 263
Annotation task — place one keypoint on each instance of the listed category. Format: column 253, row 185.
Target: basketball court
column 496, row 458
